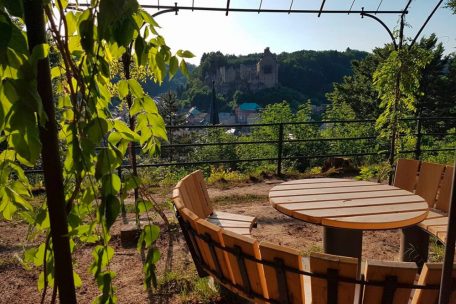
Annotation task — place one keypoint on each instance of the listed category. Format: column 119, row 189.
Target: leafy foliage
column 86, row 44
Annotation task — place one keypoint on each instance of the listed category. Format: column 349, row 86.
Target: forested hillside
column 303, row 75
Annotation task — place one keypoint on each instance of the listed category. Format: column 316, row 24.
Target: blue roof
column 249, row 106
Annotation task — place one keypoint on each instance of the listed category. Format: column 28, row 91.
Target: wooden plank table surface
column 346, row 207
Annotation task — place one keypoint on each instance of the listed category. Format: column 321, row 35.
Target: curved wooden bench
column 268, row 273
column 433, row 183
column 191, row 192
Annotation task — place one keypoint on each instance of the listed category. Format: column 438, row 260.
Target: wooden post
column 279, row 150
column 52, row 167
column 126, row 60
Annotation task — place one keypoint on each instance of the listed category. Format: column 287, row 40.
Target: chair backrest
column 283, row 286
column 429, row 181
column 444, row 196
column 215, row 258
column 430, row 275
column 390, row 273
column 330, row 290
column 193, row 193
column 247, row 274
column 406, row 174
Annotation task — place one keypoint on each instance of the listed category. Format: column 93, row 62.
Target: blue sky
column 243, row 33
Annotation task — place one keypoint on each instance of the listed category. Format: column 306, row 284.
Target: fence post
column 279, row 150
column 418, row 138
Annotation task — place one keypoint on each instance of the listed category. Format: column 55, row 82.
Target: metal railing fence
column 185, row 141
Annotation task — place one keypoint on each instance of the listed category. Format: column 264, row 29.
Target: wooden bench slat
column 346, row 267
column 405, row 272
column 199, row 196
column 241, row 231
column 444, row 196
column 431, row 275
column 255, row 271
column 294, row 282
column 215, row 233
column 433, row 220
column 406, row 174
column 231, row 216
column 229, row 223
column 428, row 181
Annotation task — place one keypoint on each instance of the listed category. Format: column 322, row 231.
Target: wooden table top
column 346, row 203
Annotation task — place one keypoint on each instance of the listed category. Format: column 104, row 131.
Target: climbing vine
column 83, row 45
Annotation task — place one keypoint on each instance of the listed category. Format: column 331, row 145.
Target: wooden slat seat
column 191, row 192
column 339, row 266
column 400, row 272
column 283, row 286
column 431, row 275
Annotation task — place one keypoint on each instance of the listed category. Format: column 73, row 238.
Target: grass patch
column 314, row 248
column 436, row 250
column 239, row 199
column 188, row 287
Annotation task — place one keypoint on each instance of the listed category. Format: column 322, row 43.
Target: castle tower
column 268, row 70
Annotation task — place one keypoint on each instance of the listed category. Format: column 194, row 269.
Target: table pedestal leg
column 414, row 245
column 346, row 242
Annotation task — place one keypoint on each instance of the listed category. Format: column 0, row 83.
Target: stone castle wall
column 264, row 74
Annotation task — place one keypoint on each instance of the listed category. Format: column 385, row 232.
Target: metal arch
column 425, row 23
column 321, row 8
column 384, row 26
column 169, row 10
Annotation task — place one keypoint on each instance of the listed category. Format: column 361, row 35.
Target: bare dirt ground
column 178, row 285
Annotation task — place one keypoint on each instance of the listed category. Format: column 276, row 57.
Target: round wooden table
column 346, row 207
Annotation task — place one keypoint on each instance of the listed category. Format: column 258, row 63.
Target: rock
column 129, row 235
column 339, row 165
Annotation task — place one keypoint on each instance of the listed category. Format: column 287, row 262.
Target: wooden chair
column 430, row 275
column 429, row 181
column 191, row 192
column 247, row 274
column 283, row 286
column 330, row 291
column 406, row 174
column 401, row 272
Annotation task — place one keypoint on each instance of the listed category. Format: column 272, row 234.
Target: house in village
column 247, row 113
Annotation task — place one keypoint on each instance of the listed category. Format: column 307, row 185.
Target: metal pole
column 419, row 136
column 279, row 150
column 446, row 280
column 397, row 98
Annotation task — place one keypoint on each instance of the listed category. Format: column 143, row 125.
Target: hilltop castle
column 262, row 75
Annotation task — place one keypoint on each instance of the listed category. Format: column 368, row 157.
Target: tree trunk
column 53, row 178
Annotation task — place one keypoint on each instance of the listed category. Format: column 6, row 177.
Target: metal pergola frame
column 446, row 281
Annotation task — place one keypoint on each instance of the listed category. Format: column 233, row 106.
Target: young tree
column 71, row 121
